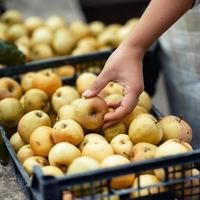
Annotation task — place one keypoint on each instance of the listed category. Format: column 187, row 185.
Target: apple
column 90, row 112
column 145, row 101
column 25, row 50
column 43, row 35
column 98, row 150
column 83, row 164
column 16, row 141
column 62, row 155
column 123, row 33
column 36, row 99
column 47, row 81
column 121, row 181
column 85, row 81
column 26, row 81
column 135, row 112
column 90, row 138
column 113, row 88
column 41, row 51
column 132, row 22
column 32, row 23
column 110, row 132
column 41, row 140
column 146, row 180
column 62, row 96
column 113, row 98
column 174, row 127
column 66, row 112
column 29, row 163
column 191, row 187
column 30, row 121
column 51, row 171
column 63, row 41
column 144, row 128
column 96, row 27
column 90, row 42
column 167, row 149
column 79, row 29
column 122, row 145
column 66, row 71
column 24, row 40
column 11, row 112
column 16, row 31
column 11, row 17
column 25, row 152
column 67, row 131
column 185, row 144
column 9, row 88
column 55, row 22
column 143, row 151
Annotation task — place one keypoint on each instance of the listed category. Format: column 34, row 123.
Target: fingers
column 110, row 123
column 114, row 105
column 128, row 103
column 102, row 80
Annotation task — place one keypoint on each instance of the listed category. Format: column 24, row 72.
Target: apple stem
column 158, row 120
column 180, row 118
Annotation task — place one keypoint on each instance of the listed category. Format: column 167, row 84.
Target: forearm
column 157, row 18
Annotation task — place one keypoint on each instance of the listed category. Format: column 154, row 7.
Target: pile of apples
column 61, row 132
column 41, row 38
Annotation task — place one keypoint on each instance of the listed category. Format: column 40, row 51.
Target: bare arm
column 124, row 66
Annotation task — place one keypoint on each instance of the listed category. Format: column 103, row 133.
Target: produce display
column 41, row 38
column 58, row 130
column 63, row 133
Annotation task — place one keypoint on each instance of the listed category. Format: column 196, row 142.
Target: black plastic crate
column 98, row 182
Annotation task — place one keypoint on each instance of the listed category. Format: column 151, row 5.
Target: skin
column 124, row 66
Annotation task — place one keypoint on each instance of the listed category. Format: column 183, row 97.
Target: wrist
column 136, row 49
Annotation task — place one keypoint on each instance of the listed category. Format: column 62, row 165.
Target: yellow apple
column 121, row 181
column 110, row 132
column 66, row 112
column 173, row 127
column 135, row 112
column 62, row 96
column 85, row 81
column 25, row 152
column 26, row 81
column 144, row 128
column 91, row 137
column 146, row 180
column 167, row 149
column 41, row 141
column 30, row 121
column 67, row 131
column 32, row 23
column 29, row 163
column 51, row 171
column 16, row 141
column 62, row 155
column 11, row 111
column 122, row 145
column 36, row 99
column 145, row 101
column 42, row 35
column 90, row 112
column 9, row 88
column 98, row 150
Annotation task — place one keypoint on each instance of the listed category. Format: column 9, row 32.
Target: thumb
column 101, row 81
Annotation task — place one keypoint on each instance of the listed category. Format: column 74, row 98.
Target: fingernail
column 87, row 93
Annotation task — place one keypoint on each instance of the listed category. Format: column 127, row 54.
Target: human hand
column 124, row 67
